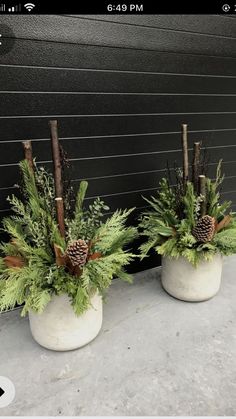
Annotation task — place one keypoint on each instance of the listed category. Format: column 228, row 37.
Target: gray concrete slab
column 154, row 356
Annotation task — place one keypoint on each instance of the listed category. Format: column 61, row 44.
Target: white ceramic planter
column 185, row 282
column 60, row 329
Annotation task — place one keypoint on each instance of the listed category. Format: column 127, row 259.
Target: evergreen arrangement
column 188, row 218
column 51, row 253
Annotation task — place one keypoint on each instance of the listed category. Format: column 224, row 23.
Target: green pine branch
column 174, row 212
column 33, row 232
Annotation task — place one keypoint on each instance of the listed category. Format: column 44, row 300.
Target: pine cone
column 77, row 252
column 204, row 229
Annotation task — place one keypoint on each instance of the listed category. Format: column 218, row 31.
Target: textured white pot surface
column 60, row 329
column 185, row 282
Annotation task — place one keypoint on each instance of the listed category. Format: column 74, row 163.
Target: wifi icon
column 29, row 6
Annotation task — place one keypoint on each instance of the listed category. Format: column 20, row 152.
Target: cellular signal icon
column 29, row 6
column 13, row 9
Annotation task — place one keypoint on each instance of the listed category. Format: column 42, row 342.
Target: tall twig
column 202, row 191
column 205, row 161
column 185, row 152
column 27, row 145
column 196, row 165
column 60, row 215
column 57, row 176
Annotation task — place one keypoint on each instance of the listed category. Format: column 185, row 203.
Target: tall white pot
column 185, row 282
column 60, row 329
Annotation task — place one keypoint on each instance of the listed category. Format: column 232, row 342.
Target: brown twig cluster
column 60, row 161
column 57, row 159
column 196, row 173
column 198, row 179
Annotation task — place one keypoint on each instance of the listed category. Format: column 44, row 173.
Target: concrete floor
column 154, row 356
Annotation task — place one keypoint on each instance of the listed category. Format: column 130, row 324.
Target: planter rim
column 202, row 260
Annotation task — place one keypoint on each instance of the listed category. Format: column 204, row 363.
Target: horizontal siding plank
column 12, row 152
column 39, row 104
column 228, row 168
column 229, row 196
column 136, row 199
column 124, row 164
column 126, row 183
column 81, row 31
column 20, row 129
column 52, row 80
column 229, row 183
column 207, row 24
column 51, row 54
column 125, row 200
column 120, row 199
column 147, row 183
column 87, row 168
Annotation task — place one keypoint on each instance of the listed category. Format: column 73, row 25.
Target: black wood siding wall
column 120, row 86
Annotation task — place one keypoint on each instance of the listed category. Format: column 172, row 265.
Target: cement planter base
column 58, row 328
column 185, row 282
